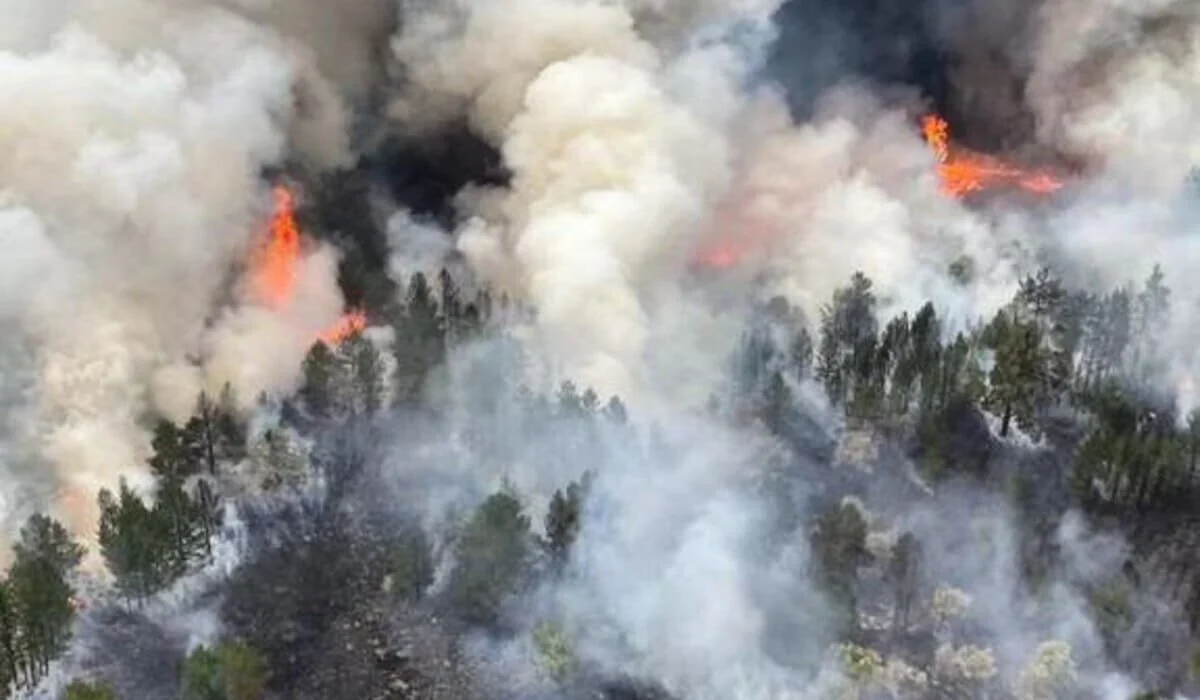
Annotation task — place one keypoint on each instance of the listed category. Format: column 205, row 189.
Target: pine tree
column 44, row 559
column 563, row 519
column 410, row 564
column 1151, row 308
column 208, row 513
column 1017, row 382
column 173, row 457
column 839, row 548
column 368, row 374
column 231, row 671
column 492, row 557
column 176, row 514
column 848, row 325
column 132, row 543
column 12, row 662
column 213, row 435
column 419, row 344
column 317, row 391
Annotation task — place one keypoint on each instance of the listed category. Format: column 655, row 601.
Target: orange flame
column 274, row 268
column 963, row 172
column 346, row 326
column 275, row 264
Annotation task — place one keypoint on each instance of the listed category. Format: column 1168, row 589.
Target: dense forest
column 1056, row 371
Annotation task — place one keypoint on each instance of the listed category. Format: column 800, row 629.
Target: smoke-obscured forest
column 599, row 349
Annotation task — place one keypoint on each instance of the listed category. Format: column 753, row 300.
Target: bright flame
column 963, row 172
column 275, row 262
column 347, row 326
column 274, row 268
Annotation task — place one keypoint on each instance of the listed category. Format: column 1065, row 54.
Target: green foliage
column 1112, row 609
column 318, row 389
column 231, row 671
column 493, row 555
column 1019, row 379
column 82, row 690
column 131, row 543
column 554, row 651
column 563, row 519
column 848, row 338
column 409, row 564
column 839, row 548
column 420, row 339
column 146, row 548
column 1049, row 348
column 36, row 601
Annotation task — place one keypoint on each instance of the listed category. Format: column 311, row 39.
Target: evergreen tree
column 173, row 457
column 492, row 557
column 410, row 564
column 176, row 516
column 563, row 519
column 1151, row 309
column 214, row 435
column 317, row 391
column 231, row 671
column 369, row 380
column 132, row 543
column 848, row 329
column 839, row 548
column 208, row 511
column 12, row 660
column 43, row 560
column 82, row 690
column 1017, row 381
column 419, row 344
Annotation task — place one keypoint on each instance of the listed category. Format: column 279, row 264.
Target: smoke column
column 134, row 135
column 637, row 134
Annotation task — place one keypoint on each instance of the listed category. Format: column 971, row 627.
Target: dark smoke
column 966, row 58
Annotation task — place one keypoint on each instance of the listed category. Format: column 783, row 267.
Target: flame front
column 963, row 172
column 274, row 268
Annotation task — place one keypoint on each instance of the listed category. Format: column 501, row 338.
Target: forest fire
column 275, row 263
column 963, row 172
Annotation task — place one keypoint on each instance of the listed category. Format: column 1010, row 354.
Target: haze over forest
column 599, row 349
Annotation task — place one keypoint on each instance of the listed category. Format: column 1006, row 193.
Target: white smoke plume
column 631, row 147
column 856, row 189
column 134, row 134
column 1114, row 83
column 612, row 174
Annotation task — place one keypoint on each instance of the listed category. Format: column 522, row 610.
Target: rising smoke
column 637, row 134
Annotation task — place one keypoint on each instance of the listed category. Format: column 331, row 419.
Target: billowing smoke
column 135, row 134
column 657, row 188
column 1114, row 84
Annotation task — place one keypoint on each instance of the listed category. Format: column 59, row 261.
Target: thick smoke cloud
column 625, row 162
column 612, row 173
column 134, row 135
column 1115, row 84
